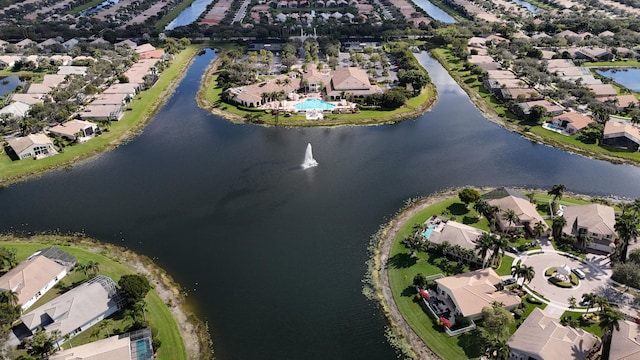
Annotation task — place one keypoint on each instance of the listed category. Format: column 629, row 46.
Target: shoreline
column 193, row 331
column 490, row 114
column 135, row 130
column 205, row 104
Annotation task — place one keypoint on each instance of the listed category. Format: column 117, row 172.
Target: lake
column 435, row 12
column 189, row 15
column 9, row 84
column 629, row 77
column 272, row 255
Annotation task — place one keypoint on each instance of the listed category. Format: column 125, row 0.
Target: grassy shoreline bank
column 182, row 334
column 495, row 111
column 145, row 105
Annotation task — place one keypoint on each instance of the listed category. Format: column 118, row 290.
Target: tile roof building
column 593, row 221
column 35, row 146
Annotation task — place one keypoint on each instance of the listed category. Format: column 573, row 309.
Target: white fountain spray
column 309, row 161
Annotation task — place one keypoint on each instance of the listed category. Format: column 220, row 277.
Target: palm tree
column 558, row 223
column 538, row 229
column 589, row 299
column 602, row 303
column 627, row 228
column 481, row 206
column 511, row 217
column 609, row 320
column 10, row 297
column 483, row 246
column 498, row 246
column 54, row 336
column 498, row 349
column 572, row 302
column 557, row 191
column 523, row 271
column 93, row 267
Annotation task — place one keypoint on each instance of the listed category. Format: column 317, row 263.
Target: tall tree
column 483, row 246
column 627, row 228
column 538, row 229
column 609, row 321
column 482, row 207
column 556, row 227
column 511, row 217
column 557, row 191
column 498, row 247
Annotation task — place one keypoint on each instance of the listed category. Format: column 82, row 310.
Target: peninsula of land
column 448, row 266
column 159, row 320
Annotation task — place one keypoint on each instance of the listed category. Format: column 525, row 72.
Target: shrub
column 559, row 283
column 627, row 274
column 532, row 300
column 550, row 271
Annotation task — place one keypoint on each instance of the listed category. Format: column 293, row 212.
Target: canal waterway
column 629, row 78
column 529, row 6
column 189, row 15
column 273, row 255
column 435, row 12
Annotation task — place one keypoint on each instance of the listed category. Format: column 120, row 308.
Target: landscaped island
column 469, row 273
column 146, row 311
column 353, row 84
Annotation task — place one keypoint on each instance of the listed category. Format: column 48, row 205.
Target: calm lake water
column 272, row 255
column 534, row 9
column 190, row 14
column 629, row 78
column 435, row 12
column 9, row 84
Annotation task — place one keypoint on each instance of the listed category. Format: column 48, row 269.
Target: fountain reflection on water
column 309, row 161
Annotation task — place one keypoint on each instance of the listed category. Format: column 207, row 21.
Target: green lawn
column 138, row 113
column 623, row 62
column 402, row 269
column 592, row 328
column 158, row 313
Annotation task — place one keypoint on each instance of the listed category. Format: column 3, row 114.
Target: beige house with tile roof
column 595, row 221
column 621, row 134
column 32, row 278
column 525, row 211
column 350, row 80
column 74, row 311
column 35, row 146
column 625, row 343
column 75, row 130
column 471, row 292
column 572, row 122
column 541, row 337
column 136, row 345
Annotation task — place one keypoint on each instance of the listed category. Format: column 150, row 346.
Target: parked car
column 579, row 273
column 508, row 281
column 512, row 249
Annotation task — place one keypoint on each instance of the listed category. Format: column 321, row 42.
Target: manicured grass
column 528, row 308
column 137, row 114
column 158, row 313
column 506, row 262
column 592, row 328
column 623, row 62
column 402, row 269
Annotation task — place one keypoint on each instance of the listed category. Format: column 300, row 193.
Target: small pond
column 629, row 77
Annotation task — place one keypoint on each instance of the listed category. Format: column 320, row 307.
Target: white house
column 593, row 221
column 35, row 146
column 74, row 311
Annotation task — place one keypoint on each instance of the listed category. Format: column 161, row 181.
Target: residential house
column 26, row 43
column 594, row 222
column 351, row 80
column 542, row 337
column 7, row 61
column 49, row 42
column 509, row 199
column 29, row 99
column 602, row 91
column 471, row 292
column 75, row 130
column 252, row 95
column 625, row 342
column 621, row 134
column 519, row 94
column 594, row 54
column 622, row 102
column 453, row 233
column 74, row 311
column 130, row 89
column 70, row 44
column 53, row 80
column 130, row 43
column 552, row 109
column 38, row 89
column 556, row 64
column 16, row 110
column 111, row 99
column 32, row 278
column 572, row 122
column 35, row 146
column 606, row 33
column 315, row 78
column 144, row 48
column 136, row 345
column 72, row 70
column 102, row 112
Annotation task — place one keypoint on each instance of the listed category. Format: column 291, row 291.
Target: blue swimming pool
column 314, row 104
column 428, row 231
column 143, row 350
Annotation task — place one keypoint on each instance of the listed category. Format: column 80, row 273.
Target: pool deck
column 289, row 105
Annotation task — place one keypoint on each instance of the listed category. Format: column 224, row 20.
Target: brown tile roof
column 577, row 121
column 350, row 78
column 625, row 343
column 19, row 144
column 613, row 129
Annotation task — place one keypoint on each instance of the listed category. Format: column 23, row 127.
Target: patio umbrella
column 425, row 295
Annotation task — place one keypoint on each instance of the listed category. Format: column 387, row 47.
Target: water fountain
column 309, row 161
